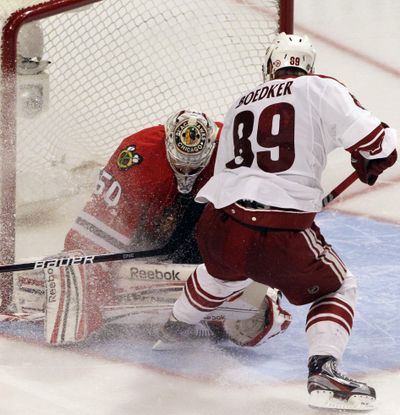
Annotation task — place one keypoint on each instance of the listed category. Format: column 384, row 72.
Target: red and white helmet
column 289, row 51
column 189, row 140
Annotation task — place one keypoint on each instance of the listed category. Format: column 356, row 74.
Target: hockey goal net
column 116, row 66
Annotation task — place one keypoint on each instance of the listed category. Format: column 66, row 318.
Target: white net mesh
column 121, row 65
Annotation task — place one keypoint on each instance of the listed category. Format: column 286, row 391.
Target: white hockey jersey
column 276, row 137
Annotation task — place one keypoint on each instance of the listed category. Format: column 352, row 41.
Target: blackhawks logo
column 190, row 139
column 128, row 158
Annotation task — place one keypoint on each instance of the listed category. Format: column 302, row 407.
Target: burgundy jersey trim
column 373, row 139
column 323, row 253
column 270, row 218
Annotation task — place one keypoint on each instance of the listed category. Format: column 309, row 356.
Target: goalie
column 144, row 198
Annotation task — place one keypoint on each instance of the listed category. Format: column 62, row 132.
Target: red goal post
column 117, row 66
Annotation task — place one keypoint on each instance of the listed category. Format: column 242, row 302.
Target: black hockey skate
column 330, row 389
column 174, row 332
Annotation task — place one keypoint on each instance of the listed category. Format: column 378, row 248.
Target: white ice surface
column 357, row 43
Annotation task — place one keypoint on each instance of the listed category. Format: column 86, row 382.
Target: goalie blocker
column 81, row 299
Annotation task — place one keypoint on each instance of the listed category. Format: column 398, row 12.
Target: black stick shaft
column 84, row 259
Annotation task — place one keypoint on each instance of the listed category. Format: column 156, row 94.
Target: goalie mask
column 189, row 139
column 288, row 51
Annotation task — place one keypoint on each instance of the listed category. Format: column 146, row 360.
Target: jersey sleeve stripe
column 374, row 137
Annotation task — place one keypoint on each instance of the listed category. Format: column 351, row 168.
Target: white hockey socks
column 330, row 320
column 203, row 294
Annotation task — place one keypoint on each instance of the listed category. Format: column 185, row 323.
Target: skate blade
column 159, row 345
column 184, row 344
column 325, row 399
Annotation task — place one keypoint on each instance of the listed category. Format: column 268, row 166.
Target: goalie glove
column 268, row 322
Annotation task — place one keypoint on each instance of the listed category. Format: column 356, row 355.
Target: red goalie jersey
column 136, row 204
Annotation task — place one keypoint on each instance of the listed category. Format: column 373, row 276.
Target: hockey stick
column 168, row 248
column 82, row 260
column 340, row 188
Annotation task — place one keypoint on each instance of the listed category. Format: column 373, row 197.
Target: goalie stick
column 167, row 249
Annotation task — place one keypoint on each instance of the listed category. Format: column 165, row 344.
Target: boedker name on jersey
column 268, row 91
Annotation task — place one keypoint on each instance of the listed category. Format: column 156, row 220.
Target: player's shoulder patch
column 128, row 157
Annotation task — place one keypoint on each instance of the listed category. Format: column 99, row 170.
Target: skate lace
column 340, row 374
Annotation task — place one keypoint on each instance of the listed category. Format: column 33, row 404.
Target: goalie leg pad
column 29, row 292
column 72, row 305
column 269, row 321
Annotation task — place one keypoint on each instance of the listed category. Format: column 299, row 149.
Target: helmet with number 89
column 289, row 51
column 189, row 139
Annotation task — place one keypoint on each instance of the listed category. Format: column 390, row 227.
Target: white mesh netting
column 121, row 65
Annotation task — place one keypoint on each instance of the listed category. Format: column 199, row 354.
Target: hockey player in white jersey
column 262, row 201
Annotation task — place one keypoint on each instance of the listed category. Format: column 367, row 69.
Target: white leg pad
column 65, row 314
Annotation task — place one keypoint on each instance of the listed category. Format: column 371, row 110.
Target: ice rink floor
column 117, row 372
column 357, row 43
